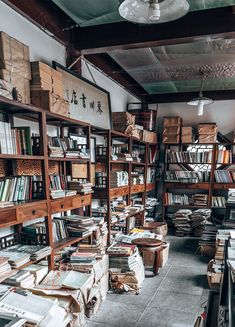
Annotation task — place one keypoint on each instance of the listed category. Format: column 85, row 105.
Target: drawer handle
column 62, row 206
column 33, row 212
column 82, row 200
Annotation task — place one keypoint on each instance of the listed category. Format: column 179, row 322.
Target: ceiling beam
column 185, row 97
column 111, row 68
column 45, row 15
column 218, row 22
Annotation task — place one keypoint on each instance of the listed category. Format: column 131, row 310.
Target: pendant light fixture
column 153, row 11
column 200, row 101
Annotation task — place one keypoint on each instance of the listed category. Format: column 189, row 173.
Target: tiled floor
column 171, row 299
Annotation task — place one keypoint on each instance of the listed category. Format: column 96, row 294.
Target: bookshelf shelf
column 138, row 164
column 188, row 163
column 137, row 189
column 185, row 207
column 178, row 185
column 150, row 187
column 69, row 159
column 66, row 242
column 119, row 162
column 20, row 157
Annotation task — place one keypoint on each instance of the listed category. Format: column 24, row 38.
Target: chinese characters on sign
column 92, row 104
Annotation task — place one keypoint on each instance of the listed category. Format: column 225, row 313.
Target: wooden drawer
column 137, row 188
column 31, row 211
column 60, row 205
column 7, row 217
column 121, row 191
column 81, row 201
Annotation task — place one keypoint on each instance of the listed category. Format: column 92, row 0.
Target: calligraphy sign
column 87, row 101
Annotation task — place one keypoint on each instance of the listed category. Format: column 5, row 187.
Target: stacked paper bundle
column 198, row 220
column 182, row 222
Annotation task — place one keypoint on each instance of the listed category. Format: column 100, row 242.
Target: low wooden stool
column 150, row 245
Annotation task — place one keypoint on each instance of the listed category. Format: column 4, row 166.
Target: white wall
column 119, row 96
column 42, row 46
column 221, row 112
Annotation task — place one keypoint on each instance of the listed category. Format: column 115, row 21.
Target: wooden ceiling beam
column 44, row 14
column 218, row 22
column 187, row 96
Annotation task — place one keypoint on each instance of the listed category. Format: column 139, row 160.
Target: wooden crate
column 50, row 102
column 207, row 129
column 172, row 121
column 150, row 137
column 123, row 118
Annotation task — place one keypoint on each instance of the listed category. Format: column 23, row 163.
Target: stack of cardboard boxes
column 172, row 129
column 15, row 68
column 207, row 133
column 187, row 135
column 47, row 89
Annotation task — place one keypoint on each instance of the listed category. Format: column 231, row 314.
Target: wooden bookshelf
column 21, row 212
column 128, row 191
column 211, row 188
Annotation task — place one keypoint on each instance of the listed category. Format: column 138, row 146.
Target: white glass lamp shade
column 200, row 102
column 150, row 12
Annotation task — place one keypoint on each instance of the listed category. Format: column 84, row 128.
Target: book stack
column 38, row 271
column 36, row 252
column 118, row 179
column 231, row 195
column 218, row 201
column 172, row 129
column 137, row 176
column 68, row 147
column 207, row 133
column 47, row 89
column 35, row 233
column 122, row 256
column 177, row 199
column 120, row 152
column 81, row 188
column 224, row 176
column 21, row 278
column 209, row 235
column 138, row 154
column 5, row 268
column 101, row 179
column 182, row 222
column 79, row 226
column 59, row 186
column 187, row 135
column 204, row 156
column 82, row 261
column 200, row 199
column 198, row 220
column 188, row 177
column 224, row 157
column 18, row 188
column 15, row 259
column 59, row 229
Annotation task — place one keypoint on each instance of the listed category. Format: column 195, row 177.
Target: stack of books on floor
column 79, row 226
column 38, row 271
column 224, row 176
column 198, row 220
column 5, row 268
column 182, row 222
column 209, row 235
column 82, row 261
column 218, row 201
column 231, row 195
column 123, row 257
column 80, row 187
column 15, row 259
column 200, row 199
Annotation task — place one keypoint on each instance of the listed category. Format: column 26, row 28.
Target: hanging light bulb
column 154, row 10
column 200, row 101
column 200, row 108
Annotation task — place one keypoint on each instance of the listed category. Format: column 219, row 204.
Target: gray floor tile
column 91, row 323
column 166, row 318
column 118, row 314
column 176, row 301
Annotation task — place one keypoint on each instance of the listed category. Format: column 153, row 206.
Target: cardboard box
column 207, row 128
column 123, row 118
column 185, row 131
column 150, row 137
column 172, row 121
column 50, row 102
column 171, row 130
column 186, row 139
column 173, row 139
column 207, row 138
column 101, row 267
column 14, row 56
